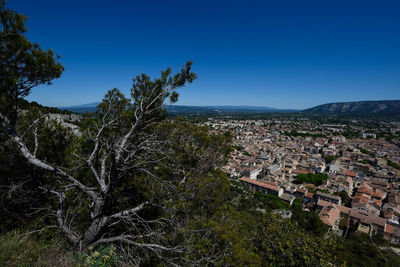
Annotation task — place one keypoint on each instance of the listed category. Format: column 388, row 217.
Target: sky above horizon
column 280, row 54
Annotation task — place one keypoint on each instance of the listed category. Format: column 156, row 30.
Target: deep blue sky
column 282, row 54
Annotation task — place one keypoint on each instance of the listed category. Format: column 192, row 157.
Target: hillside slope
column 384, row 107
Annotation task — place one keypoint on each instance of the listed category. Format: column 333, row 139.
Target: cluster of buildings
column 362, row 190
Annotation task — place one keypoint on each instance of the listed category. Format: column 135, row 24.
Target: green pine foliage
column 362, row 250
column 282, row 243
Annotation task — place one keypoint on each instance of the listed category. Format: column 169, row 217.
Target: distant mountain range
column 222, row 109
column 179, row 109
column 383, row 107
column 88, row 105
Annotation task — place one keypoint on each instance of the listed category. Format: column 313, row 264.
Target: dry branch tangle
column 131, row 147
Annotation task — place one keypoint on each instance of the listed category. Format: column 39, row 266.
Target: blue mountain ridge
column 91, row 107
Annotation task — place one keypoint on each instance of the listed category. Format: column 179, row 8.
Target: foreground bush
column 19, row 250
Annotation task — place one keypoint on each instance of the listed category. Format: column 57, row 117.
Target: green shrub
column 101, row 257
column 367, row 152
column 311, row 178
column 393, row 164
column 33, row 250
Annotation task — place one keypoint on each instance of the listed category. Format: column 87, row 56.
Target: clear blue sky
column 282, row 54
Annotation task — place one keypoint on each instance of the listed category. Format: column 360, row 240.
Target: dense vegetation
column 311, row 178
column 344, row 196
column 25, row 105
column 362, row 250
column 329, row 158
column 239, row 148
column 393, row 164
column 367, row 152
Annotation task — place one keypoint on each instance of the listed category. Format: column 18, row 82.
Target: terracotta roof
column 379, row 193
column 272, row 183
column 388, row 214
column 389, row 229
column 301, row 190
column 367, row 218
column 392, row 230
column 259, row 183
column 378, row 203
column 301, row 171
column 309, row 185
column 366, row 189
column 394, row 199
column 327, row 195
column 351, row 174
column 329, row 215
column 343, row 209
column 309, row 195
column 361, row 198
column 348, row 179
column 323, row 203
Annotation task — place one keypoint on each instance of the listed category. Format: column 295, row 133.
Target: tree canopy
column 311, row 178
column 24, row 65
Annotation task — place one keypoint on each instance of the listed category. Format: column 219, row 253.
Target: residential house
column 329, row 198
column 262, row 186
